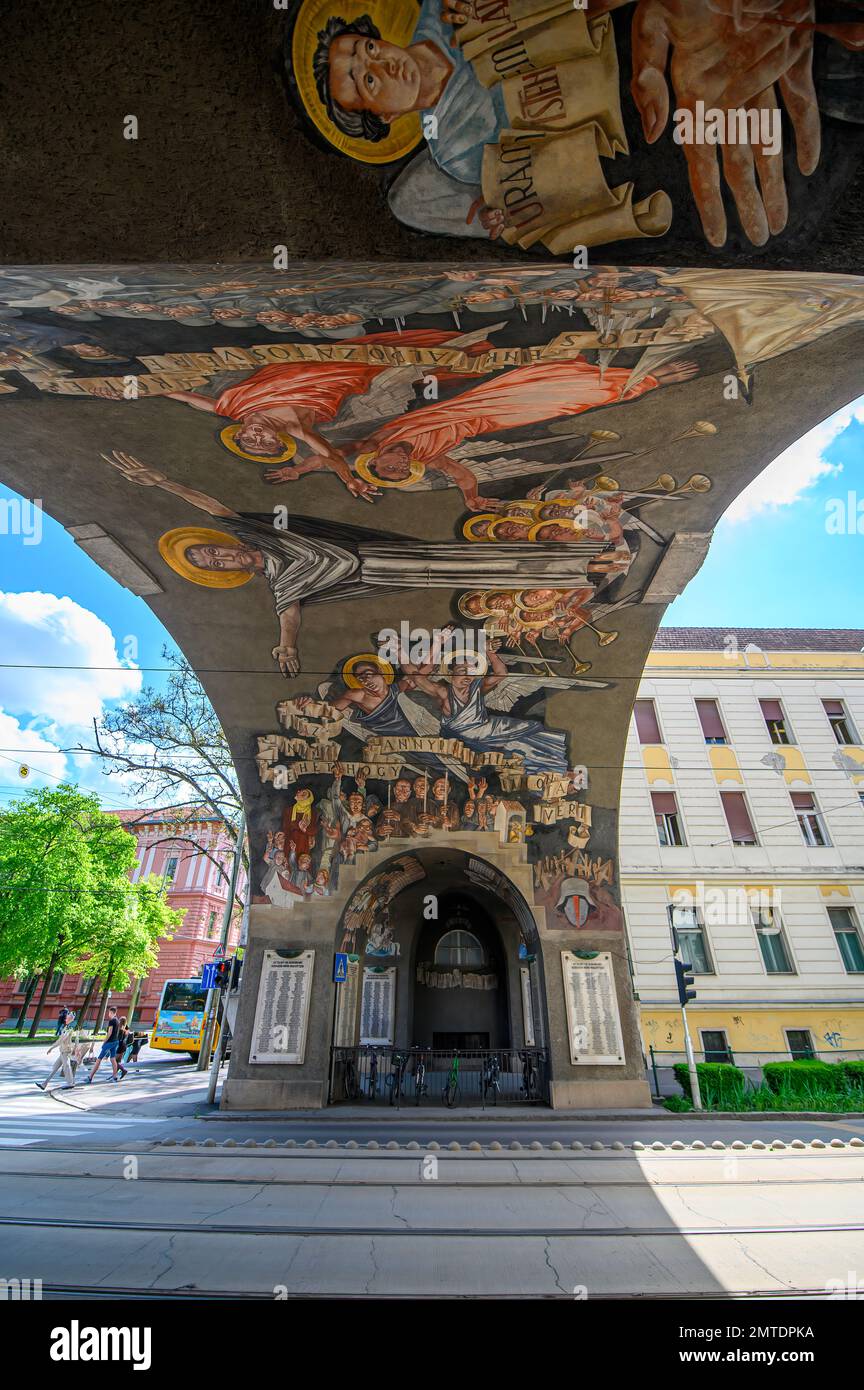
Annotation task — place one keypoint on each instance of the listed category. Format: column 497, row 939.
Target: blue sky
column 773, row 563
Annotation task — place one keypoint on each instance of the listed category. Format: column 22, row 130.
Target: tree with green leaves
column 65, row 895
column 170, row 747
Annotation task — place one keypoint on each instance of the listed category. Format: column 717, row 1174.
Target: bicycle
column 492, row 1078
column 529, row 1076
column 451, row 1088
column 373, row 1075
column 398, row 1062
column 419, row 1074
column 350, row 1083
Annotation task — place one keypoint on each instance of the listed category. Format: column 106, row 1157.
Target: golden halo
column 367, row 659
column 174, row 545
column 534, row 533
column 416, row 469
column 484, row 612
column 226, row 438
column 533, row 607
column 396, row 21
column 495, row 520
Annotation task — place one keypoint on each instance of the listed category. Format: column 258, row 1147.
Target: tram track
column 434, row 1232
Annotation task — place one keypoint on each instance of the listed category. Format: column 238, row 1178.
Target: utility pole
column 685, row 994
column 211, row 1008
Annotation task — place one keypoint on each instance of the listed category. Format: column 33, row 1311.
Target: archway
column 442, row 965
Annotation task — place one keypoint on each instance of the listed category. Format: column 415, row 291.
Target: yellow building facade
column 742, row 826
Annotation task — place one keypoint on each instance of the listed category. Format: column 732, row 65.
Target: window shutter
column 771, row 709
column 803, row 801
column 709, row 718
column 646, row 722
column 737, row 817
column 664, row 803
column 834, row 707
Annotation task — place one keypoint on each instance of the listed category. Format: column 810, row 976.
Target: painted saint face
column 257, row 438
column 402, row 790
column 539, row 598
column 393, row 463
column 224, row 557
column 371, row 679
column 420, row 787
column 511, row 531
column 373, row 75
column 355, row 803
column 555, row 533
column 439, row 789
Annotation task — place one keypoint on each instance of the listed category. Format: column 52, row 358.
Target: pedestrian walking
column 109, row 1046
column 66, row 1043
column 124, row 1039
column 62, row 1020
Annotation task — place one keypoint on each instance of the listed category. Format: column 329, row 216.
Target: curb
column 372, row 1146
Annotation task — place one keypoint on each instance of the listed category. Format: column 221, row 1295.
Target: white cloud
column 798, row 468
column 44, row 630
column 34, row 747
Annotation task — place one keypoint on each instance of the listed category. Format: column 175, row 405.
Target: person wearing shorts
column 109, row 1046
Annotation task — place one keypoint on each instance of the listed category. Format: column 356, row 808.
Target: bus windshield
column 189, row 995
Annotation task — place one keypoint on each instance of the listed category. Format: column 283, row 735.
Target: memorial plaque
column 378, row 1007
column 346, row 1006
column 527, row 1005
column 282, row 1011
column 593, row 1021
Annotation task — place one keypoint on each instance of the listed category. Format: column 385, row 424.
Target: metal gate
column 401, row 1077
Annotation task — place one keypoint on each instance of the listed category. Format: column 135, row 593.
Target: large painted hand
column 730, row 56
column 288, row 659
column 133, row 470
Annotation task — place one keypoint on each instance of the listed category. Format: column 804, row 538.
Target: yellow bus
column 179, row 1022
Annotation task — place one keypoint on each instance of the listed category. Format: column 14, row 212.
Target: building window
column 170, row 870
column 668, row 820
column 647, row 726
column 56, row 982
column 738, row 818
column 811, row 823
column 838, row 718
column 211, row 925
column 715, row 1046
column 27, row 983
column 688, row 937
column 712, row 725
column 772, row 941
column 848, row 938
column 800, row 1043
column 459, row 948
column 775, row 721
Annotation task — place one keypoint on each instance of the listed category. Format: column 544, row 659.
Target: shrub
column 803, row 1078
column 677, row 1103
column 853, row 1073
column 721, row 1085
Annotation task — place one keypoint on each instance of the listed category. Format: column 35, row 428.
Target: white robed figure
column 465, row 712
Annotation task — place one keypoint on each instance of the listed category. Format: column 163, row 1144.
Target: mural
column 505, row 119
column 499, row 443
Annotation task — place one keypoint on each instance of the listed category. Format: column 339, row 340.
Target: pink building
column 195, row 885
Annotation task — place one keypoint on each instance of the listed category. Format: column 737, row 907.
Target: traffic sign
column 340, row 967
column 208, row 974
column 219, row 952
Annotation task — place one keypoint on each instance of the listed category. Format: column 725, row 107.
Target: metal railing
column 439, row 1077
column 662, row 1063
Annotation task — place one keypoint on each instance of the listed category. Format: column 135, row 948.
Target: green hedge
column 720, row 1084
column 804, row 1077
column 854, row 1074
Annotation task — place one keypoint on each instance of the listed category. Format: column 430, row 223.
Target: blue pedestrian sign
column 208, row 974
column 340, row 967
